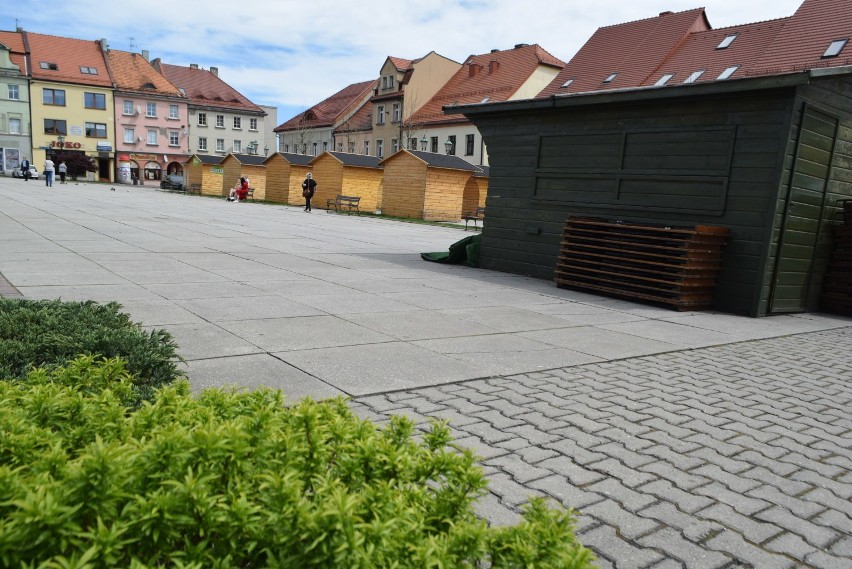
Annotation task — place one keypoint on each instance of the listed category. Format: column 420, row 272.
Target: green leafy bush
column 51, row 332
column 233, row 479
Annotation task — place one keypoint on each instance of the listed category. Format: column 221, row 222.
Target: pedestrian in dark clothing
column 25, row 169
column 309, row 186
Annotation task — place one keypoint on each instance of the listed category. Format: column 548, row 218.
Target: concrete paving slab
column 256, row 371
column 204, row 340
column 300, row 333
column 353, row 302
column 673, row 333
column 161, row 313
column 246, row 308
column 186, row 291
column 508, row 318
column 599, row 342
column 747, row 328
column 99, row 293
column 376, row 368
column 420, row 325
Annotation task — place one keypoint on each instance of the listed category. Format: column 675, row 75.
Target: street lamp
column 449, row 146
column 423, row 142
column 252, row 147
column 61, row 139
column 265, row 150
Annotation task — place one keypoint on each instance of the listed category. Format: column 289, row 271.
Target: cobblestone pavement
column 730, row 456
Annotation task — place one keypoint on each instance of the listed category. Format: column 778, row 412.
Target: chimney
column 520, row 45
column 193, row 66
column 493, row 66
column 104, row 45
column 145, row 54
column 473, row 69
column 666, row 13
column 214, row 70
column 495, row 50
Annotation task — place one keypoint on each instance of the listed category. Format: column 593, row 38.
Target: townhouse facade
column 151, row 117
column 15, row 139
column 221, row 120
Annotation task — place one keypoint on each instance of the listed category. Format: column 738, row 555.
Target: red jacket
column 242, row 191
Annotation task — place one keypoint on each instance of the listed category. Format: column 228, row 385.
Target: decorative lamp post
column 265, row 150
column 449, row 146
column 423, row 143
column 61, row 139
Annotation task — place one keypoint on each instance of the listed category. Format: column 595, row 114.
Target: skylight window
column 485, row 100
column 835, row 48
column 727, row 72
column 88, row 71
column 664, row 79
column 611, row 78
column 567, row 83
column 693, row 77
column 48, row 65
column 727, row 41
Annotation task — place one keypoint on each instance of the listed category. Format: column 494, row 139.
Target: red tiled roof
column 204, row 88
column 327, row 112
column 633, row 50
column 400, row 63
column 806, row 36
column 132, row 72
column 699, row 52
column 69, row 55
column 15, row 42
column 362, row 120
column 496, row 75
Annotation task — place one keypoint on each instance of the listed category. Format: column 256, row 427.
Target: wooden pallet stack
column 837, row 288
column 673, row 266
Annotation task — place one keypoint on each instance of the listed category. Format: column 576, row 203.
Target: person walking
column 48, row 172
column 25, row 169
column 63, row 170
column 309, row 186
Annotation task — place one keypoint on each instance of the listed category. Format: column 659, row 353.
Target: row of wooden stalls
column 411, row 184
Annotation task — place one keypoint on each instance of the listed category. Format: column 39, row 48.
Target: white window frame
column 14, row 92
column 835, row 47
column 15, row 125
column 220, row 145
column 151, row 109
column 380, row 148
column 380, row 114
column 664, row 79
column 238, row 123
column 238, row 146
column 394, row 145
column 366, row 147
column 174, row 112
column 127, row 109
column 152, row 137
column 174, row 138
column 252, row 124
column 397, row 112
column 694, row 76
column 129, row 136
column 727, row 72
column 202, row 143
column 202, row 119
column 220, row 121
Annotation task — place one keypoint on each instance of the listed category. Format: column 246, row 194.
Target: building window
column 220, row 121
column 664, row 79
column 380, row 115
column 202, row 143
column 412, row 143
column 452, row 139
column 433, row 143
column 220, row 145
column 238, row 146
column 252, row 124
column 385, row 82
column 96, row 130
column 351, row 148
column 390, row 81
column 53, row 97
column 468, row 145
column 315, row 149
column 174, row 112
column 340, row 147
column 53, row 126
column 367, row 147
column 693, row 77
column 152, row 137
column 128, row 108
column 202, row 121
column 610, row 78
column 380, row 148
column 727, row 41
column 174, row 138
column 13, row 92
column 394, row 145
column 88, row 70
column 94, row 101
column 325, row 146
column 48, row 65
column 238, row 122
column 567, row 83
column 835, row 48
column 728, row 72
column 286, row 148
column 14, row 126
column 129, row 136
column 397, row 114
column 151, row 110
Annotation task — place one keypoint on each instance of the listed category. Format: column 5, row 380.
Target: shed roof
column 494, row 76
column 249, row 159
column 435, row 160
column 67, row 60
column 328, row 111
column 204, row 88
column 356, row 160
column 132, row 72
column 206, row 158
column 293, row 158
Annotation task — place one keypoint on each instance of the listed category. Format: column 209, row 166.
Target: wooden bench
column 475, row 216
column 250, row 194
column 194, row 189
column 340, row 202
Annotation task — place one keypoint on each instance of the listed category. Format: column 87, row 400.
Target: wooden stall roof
column 292, row 158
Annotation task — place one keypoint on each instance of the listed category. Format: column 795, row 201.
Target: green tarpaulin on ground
column 464, row 252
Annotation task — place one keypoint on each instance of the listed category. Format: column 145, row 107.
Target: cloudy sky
column 292, row 54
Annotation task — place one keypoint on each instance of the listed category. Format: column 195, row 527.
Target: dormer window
column 835, row 48
column 567, row 83
column 664, row 79
column 727, row 41
column 88, row 71
column 693, row 77
column 48, row 65
column 611, row 78
column 728, row 72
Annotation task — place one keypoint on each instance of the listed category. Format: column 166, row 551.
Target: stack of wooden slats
column 674, row 266
column 837, row 288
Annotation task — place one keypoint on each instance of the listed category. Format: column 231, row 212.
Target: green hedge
column 51, row 332
column 239, row 480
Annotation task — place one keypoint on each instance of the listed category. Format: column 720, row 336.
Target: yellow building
column 284, row 175
column 71, row 102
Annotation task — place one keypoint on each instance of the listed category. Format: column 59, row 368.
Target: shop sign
column 104, row 146
column 57, row 144
column 150, row 157
column 217, row 170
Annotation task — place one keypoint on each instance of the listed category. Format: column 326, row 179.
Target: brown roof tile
column 69, row 55
column 328, row 112
column 132, row 72
column 400, row 63
column 496, row 76
column 15, row 42
column 204, row 88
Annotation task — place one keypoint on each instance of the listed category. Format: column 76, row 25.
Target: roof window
column 611, row 78
column 727, row 41
column 485, row 100
column 47, row 65
column 567, row 83
column 693, row 77
column 88, row 70
column 664, row 79
column 727, row 72
column 835, row 48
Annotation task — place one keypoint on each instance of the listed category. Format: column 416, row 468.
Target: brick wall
column 404, row 186
column 444, row 192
